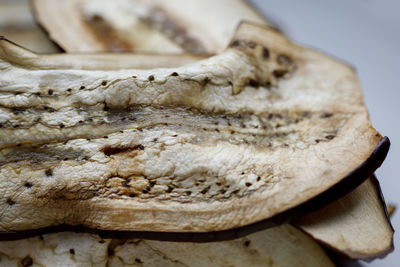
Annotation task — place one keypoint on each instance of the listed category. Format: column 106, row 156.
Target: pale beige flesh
column 140, row 25
column 282, row 246
column 18, row 25
column 355, row 225
column 187, row 167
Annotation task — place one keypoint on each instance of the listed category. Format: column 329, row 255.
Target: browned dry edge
column 344, row 186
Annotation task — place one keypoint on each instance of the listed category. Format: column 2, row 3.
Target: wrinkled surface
column 281, row 246
column 217, row 144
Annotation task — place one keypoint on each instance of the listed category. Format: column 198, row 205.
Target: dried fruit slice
column 141, row 25
column 312, row 224
column 17, row 23
column 280, row 246
column 356, row 225
column 192, row 149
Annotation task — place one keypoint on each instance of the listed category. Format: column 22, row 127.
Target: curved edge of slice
column 18, row 24
column 346, row 185
column 280, row 246
column 356, row 225
column 20, row 56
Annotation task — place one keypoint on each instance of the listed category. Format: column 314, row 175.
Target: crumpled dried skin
column 218, row 144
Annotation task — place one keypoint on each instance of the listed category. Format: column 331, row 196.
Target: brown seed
column 279, row 73
column 151, row 78
column 235, row 43
column 27, row 261
column 48, row 172
column 104, row 83
column 265, row 53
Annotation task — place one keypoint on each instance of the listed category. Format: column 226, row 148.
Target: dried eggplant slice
column 142, row 25
column 366, row 195
column 280, row 246
column 250, row 121
column 356, row 225
column 18, row 24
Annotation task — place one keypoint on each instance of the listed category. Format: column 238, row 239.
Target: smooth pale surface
column 18, row 25
column 355, row 224
column 282, row 246
column 367, row 35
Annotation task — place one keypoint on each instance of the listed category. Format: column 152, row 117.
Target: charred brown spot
column 50, row 92
column 10, row 201
column 138, row 260
column 265, row 53
column 28, row 185
column 247, row 243
column 72, row 251
column 48, row 172
column 106, row 35
column 254, row 83
column 108, row 151
column 69, row 90
column 82, row 87
column 27, row 261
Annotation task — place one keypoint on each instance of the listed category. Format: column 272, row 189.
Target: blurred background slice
column 18, row 25
column 366, row 34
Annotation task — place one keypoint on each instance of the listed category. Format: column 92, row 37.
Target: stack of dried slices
column 215, row 128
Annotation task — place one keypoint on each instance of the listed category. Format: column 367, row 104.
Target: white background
column 366, row 34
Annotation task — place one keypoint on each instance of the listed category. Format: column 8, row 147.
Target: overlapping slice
column 140, row 25
column 222, row 143
column 279, row 246
column 355, row 225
